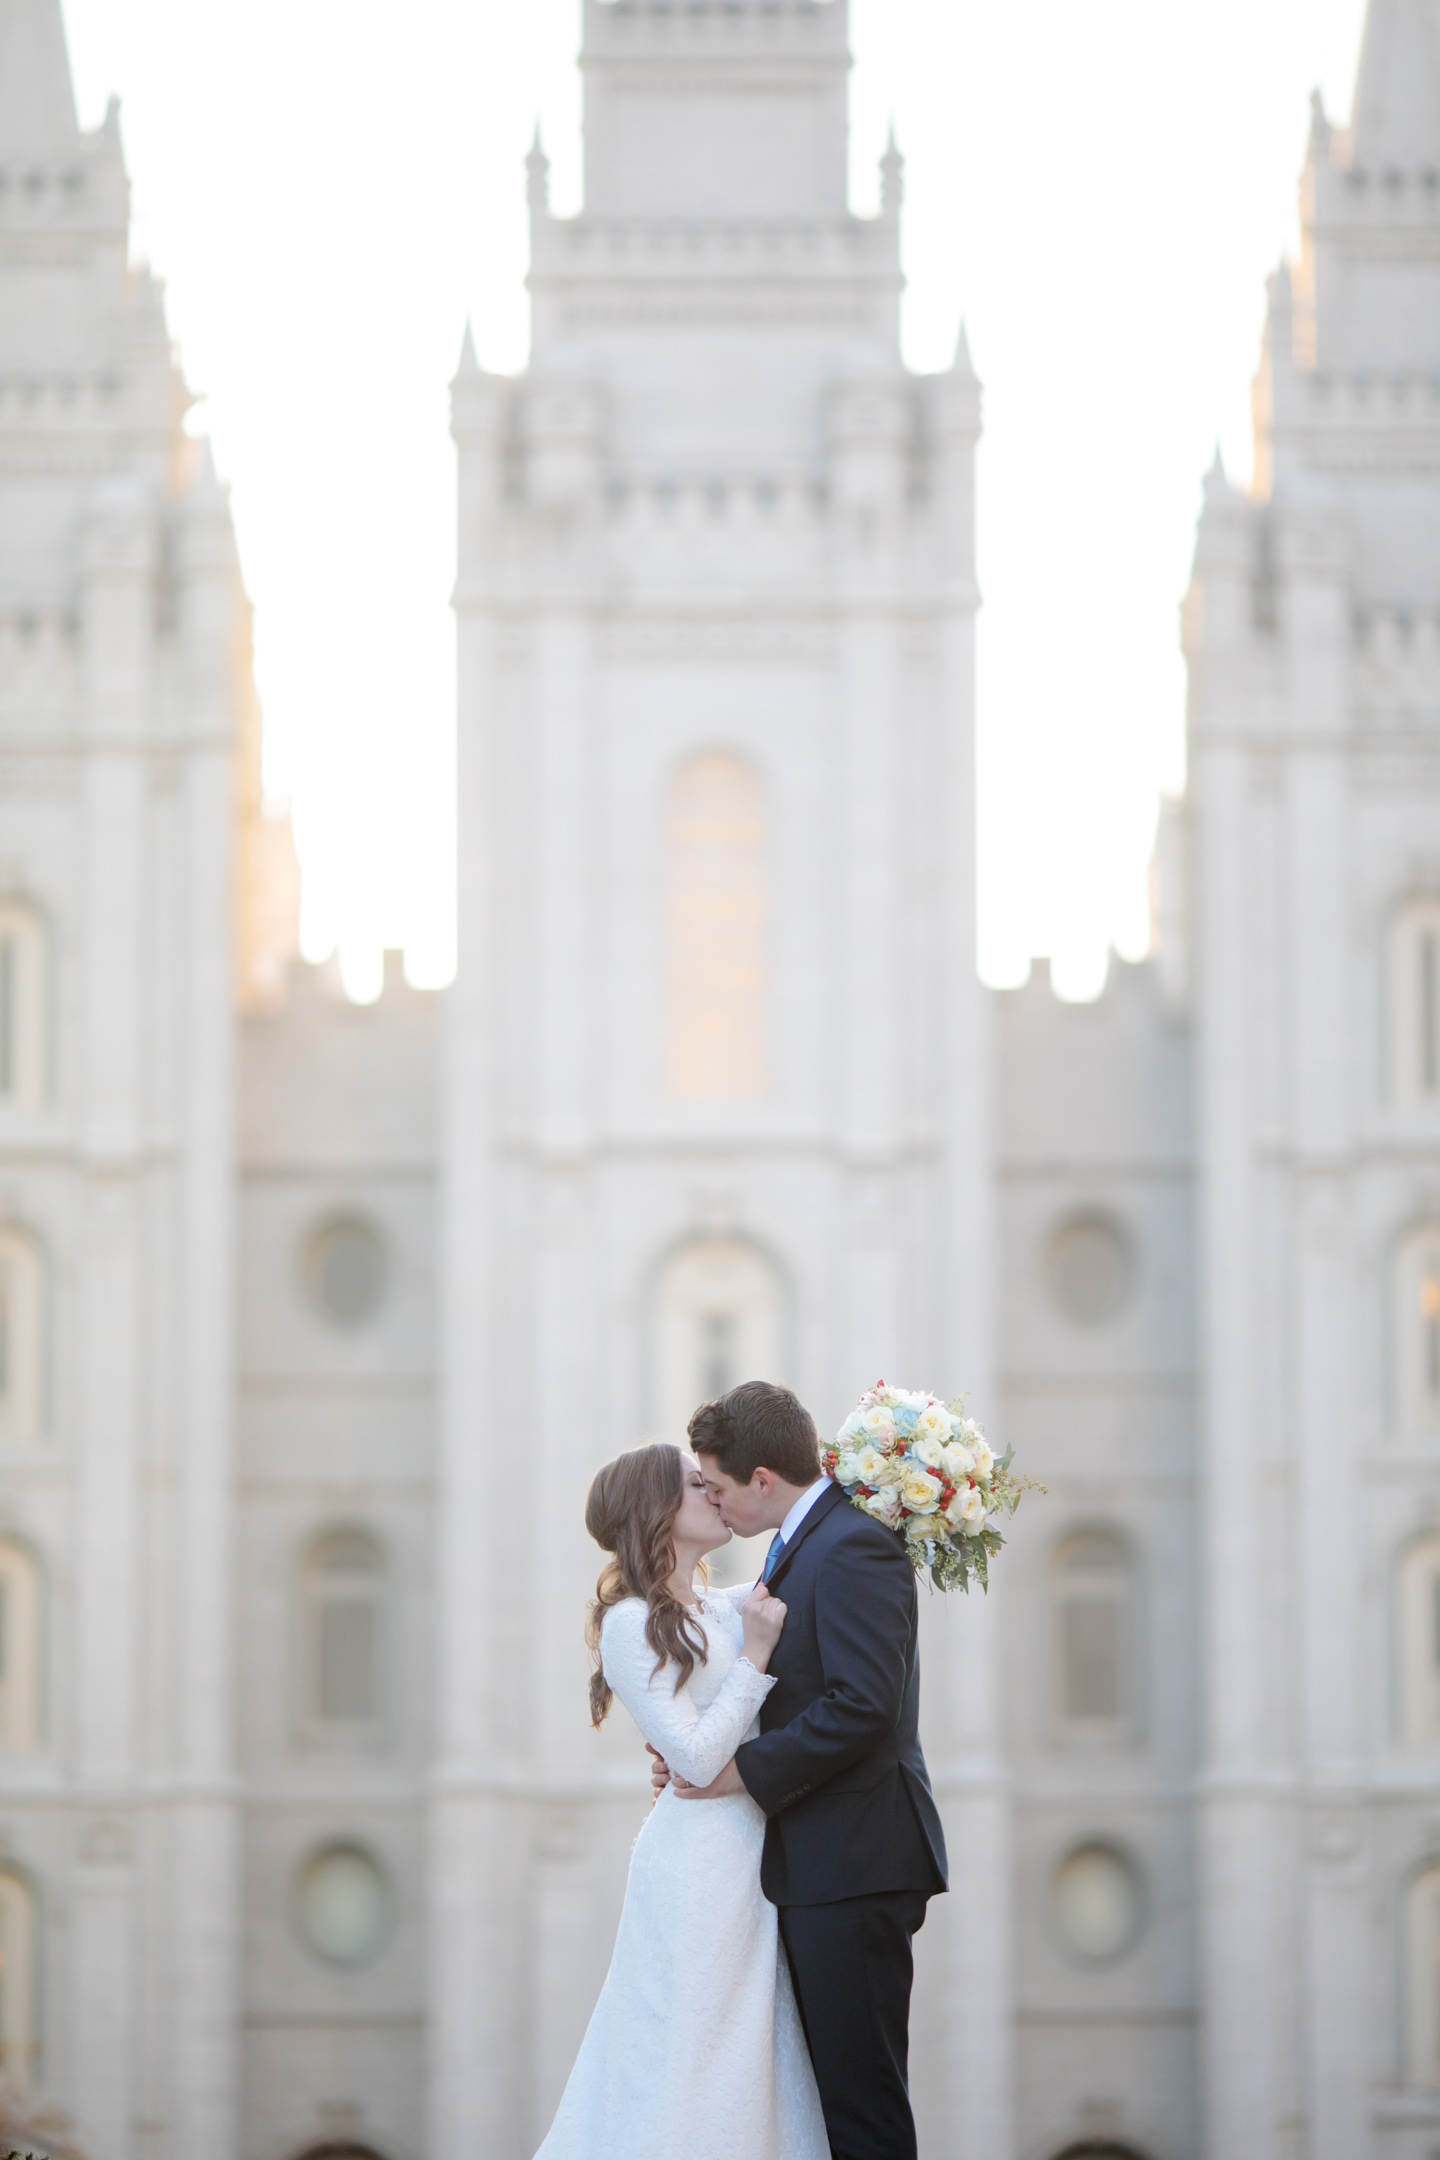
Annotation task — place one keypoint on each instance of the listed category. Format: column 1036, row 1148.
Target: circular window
column 345, row 1270
column 1099, row 1904
column 342, row 1905
column 1091, row 1268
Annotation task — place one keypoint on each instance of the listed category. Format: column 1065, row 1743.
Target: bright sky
column 330, row 186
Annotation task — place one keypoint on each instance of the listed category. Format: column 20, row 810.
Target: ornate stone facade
column 315, row 1320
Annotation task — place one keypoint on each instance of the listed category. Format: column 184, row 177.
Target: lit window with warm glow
column 1414, row 1000
column 718, row 930
column 1416, row 1335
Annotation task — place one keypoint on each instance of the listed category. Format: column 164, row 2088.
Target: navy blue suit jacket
column 837, row 1767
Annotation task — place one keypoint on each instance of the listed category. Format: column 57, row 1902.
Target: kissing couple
column 757, row 2005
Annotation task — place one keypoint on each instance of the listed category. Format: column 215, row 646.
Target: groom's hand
column 659, row 1773
column 729, row 1781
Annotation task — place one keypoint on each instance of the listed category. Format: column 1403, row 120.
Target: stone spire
column 1397, row 93
column 37, row 102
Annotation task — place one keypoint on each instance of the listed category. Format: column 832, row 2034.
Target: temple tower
column 124, row 697
column 715, row 1093
column 1313, row 633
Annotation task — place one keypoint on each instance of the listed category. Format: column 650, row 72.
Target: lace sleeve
column 697, row 1743
column 737, row 1592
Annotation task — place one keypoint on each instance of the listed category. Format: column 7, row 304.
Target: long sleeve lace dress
column 695, row 2047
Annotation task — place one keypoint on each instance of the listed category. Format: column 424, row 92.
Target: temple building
column 316, row 1319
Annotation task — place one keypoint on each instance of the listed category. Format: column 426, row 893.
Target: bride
column 695, row 2046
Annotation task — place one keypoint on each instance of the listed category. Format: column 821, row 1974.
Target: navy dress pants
column 852, row 1968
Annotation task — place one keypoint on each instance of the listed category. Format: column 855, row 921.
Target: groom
column 853, row 1843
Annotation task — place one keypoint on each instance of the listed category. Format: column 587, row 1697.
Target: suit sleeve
column 864, row 1605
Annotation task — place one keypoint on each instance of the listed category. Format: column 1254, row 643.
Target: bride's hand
column 763, row 1616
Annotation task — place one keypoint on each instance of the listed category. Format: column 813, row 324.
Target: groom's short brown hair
column 758, row 1426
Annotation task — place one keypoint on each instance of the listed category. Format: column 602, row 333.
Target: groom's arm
column 864, row 1598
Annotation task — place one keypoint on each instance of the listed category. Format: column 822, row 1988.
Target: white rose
column 852, row 1428
column 884, row 1506
column 958, row 1461
column 934, row 1423
column 966, row 1512
column 879, row 1425
column 929, row 1450
column 984, row 1459
column 847, row 1470
column 871, row 1467
column 919, row 1490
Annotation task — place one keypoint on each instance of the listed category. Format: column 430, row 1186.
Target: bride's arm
column 696, row 1743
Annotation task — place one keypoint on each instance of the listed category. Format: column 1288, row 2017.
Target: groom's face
column 745, row 1509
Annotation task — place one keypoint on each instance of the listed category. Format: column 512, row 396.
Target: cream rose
column 934, row 1423
column 919, row 1490
column 884, row 1506
column 873, row 1468
column 966, row 1512
column 879, row 1425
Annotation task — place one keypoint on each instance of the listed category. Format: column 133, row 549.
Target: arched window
column 22, row 1007
column 718, row 930
column 1094, row 1627
column 719, row 1318
column 1417, row 1643
column 21, row 1649
column 343, row 1652
column 1414, row 998
column 22, row 1340
column 19, row 2034
column 1415, row 1323
column 1422, row 1978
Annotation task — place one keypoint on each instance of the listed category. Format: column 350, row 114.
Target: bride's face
column 698, row 1523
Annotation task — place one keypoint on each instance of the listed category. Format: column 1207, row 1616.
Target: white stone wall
column 336, row 1433
column 123, row 669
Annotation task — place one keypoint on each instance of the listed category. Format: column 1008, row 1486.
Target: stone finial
column 537, row 175
column 892, row 177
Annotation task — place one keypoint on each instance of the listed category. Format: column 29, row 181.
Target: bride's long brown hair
column 630, row 1512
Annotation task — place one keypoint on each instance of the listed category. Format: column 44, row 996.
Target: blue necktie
column 772, row 1558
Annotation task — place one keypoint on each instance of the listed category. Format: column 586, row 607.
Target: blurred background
column 1101, row 190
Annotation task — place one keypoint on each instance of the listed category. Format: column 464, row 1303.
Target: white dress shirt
column 801, row 1509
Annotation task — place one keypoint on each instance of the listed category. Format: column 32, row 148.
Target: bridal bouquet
column 922, row 1467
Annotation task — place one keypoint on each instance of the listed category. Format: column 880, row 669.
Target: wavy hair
column 630, row 1512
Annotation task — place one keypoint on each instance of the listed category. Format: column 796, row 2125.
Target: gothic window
column 1415, row 1006
column 344, row 1614
column 22, row 1339
column 19, row 2036
column 718, row 1318
column 21, row 1648
column 718, row 930
column 1415, row 1321
column 1094, row 1633
column 1417, row 1643
column 22, row 1008
column 1422, row 1978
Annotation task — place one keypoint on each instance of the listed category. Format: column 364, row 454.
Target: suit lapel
column 825, row 1505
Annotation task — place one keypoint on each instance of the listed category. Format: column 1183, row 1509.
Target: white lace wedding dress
column 695, row 2050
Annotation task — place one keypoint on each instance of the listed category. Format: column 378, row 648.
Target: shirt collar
column 801, row 1509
